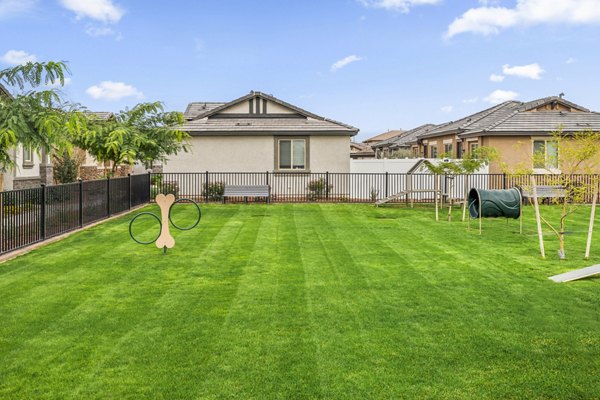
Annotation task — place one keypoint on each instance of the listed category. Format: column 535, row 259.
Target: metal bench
column 544, row 192
column 246, row 191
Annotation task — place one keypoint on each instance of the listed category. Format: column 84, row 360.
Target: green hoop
column 188, row 227
column 136, row 217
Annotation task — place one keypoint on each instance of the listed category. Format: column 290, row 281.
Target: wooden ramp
column 577, row 274
column 390, row 198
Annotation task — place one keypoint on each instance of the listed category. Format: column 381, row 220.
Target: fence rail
column 342, row 187
column 30, row 216
column 33, row 215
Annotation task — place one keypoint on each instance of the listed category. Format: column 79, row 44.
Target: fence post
column 80, row 203
column 43, row 212
column 504, row 181
column 129, row 189
column 108, row 196
column 206, row 187
column 327, row 185
column 149, row 186
column 387, row 178
column 267, row 177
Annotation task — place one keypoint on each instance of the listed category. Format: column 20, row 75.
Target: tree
column 146, row 133
column 36, row 117
column 575, row 154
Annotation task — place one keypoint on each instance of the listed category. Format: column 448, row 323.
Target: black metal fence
column 342, row 187
column 29, row 216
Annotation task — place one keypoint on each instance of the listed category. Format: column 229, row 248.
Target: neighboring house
column 361, row 151
column 382, row 137
column 258, row 133
column 387, row 148
column 516, row 129
column 31, row 167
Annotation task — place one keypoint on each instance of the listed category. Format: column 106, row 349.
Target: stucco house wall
column 244, row 136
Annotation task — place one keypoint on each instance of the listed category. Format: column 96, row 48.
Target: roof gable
column 257, row 113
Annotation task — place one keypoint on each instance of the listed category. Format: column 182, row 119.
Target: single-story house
column 387, row 148
column 516, row 129
column 257, row 133
column 361, row 151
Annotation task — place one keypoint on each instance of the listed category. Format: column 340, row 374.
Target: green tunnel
column 495, row 203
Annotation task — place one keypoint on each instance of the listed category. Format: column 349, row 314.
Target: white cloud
column 98, row 31
column 100, row 10
column 531, row 71
column 344, row 62
column 447, row 109
column 13, row 7
column 500, row 96
column 112, row 91
column 570, row 60
column 488, row 20
column 496, row 78
column 17, row 57
column 56, row 83
column 471, row 100
column 397, row 5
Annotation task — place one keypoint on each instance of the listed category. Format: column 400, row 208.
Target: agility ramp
column 577, row 274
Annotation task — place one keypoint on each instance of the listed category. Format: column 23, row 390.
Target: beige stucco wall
column 330, row 153
column 256, row 154
column 515, row 152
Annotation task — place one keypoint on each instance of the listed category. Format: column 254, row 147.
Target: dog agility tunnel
column 495, row 203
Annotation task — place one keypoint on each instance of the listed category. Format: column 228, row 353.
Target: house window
column 545, row 154
column 433, row 152
column 292, row 154
column 425, row 151
column 473, row 146
column 459, row 149
column 448, row 149
column 27, row 158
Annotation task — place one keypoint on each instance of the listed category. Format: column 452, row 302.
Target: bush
column 164, row 188
column 156, row 179
column 66, row 169
column 214, row 190
column 318, row 189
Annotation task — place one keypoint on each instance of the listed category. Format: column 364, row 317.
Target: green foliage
column 66, row 168
column 164, row 188
column 214, row 190
column 37, row 119
column 318, row 189
column 146, row 133
column 471, row 163
column 400, row 153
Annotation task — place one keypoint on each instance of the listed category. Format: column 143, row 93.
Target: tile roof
column 384, row 136
column 515, row 117
column 209, row 121
column 196, row 109
column 406, row 138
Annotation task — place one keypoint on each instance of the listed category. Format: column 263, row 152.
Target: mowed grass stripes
column 302, row 301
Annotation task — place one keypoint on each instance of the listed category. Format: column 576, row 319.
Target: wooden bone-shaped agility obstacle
column 165, row 240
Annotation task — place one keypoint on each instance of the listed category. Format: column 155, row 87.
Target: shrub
column 164, row 188
column 318, row 189
column 66, row 168
column 214, row 190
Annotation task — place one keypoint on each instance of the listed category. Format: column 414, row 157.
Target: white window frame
column 27, row 157
column 546, row 169
column 292, row 140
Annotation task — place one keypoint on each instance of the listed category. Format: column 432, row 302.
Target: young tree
column 35, row 117
column 574, row 154
column 145, row 132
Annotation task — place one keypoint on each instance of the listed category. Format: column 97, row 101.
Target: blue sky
column 374, row 64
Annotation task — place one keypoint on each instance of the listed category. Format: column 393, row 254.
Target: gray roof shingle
column 205, row 119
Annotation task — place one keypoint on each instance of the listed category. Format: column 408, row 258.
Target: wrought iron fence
column 341, row 187
column 32, row 215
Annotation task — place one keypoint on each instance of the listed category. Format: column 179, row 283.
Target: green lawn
column 302, row 301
